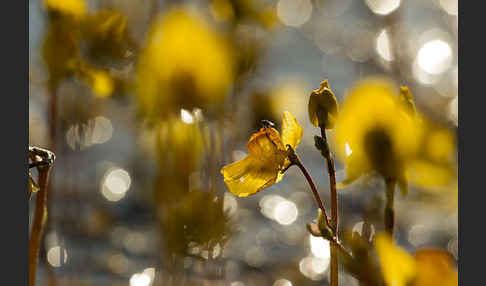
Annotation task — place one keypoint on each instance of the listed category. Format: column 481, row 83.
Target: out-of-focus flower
column 268, row 156
column 244, row 10
column 103, row 33
column 375, row 132
column 433, row 167
column 426, row 267
column 435, row 267
column 186, row 63
column 197, row 220
column 102, row 83
column 323, row 106
column 107, row 36
column 74, row 8
column 398, row 267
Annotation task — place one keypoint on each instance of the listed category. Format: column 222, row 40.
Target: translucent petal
column 355, row 167
column 266, row 145
column 398, row 267
column 291, row 130
column 435, row 267
column 250, row 175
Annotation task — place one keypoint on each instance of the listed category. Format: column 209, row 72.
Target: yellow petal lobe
column 398, row 267
column 291, row 130
column 249, row 176
column 435, row 267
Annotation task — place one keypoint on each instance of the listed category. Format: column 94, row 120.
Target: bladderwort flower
column 426, row 267
column 433, row 168
column 268, row 157
column 376, row 132
column 74, row 8
column 186, row 63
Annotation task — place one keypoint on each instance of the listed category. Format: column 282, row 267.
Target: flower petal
column 398, row 267
column 435, row 267
column 250, row 175
column 291, row 130
column 266, row 145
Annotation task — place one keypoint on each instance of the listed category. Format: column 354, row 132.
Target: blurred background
column 144, row 101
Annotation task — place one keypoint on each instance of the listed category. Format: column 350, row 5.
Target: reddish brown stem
column 313, row 188
column 334, row 211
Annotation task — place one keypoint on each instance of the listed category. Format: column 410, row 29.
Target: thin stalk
column 40, row 219
column 389, row 217
column 313, row 188
column 334, row 211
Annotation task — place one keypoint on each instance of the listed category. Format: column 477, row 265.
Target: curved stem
column 312, row 186
column 334, row 211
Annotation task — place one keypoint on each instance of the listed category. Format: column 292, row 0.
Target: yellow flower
column 435, row 268
column 376, row 132
column 186, row 63
column 102, row 84
column 323, row 106
column 75, row 8
column 267, row 157
column 398, row 267
column 434, row 167
column 427, row 267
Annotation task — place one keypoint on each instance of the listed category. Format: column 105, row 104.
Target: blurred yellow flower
column 244, row 11
column 75, row 8
column 434, row 167
column 268, row 156
column 186, row 63
column 375, row 132
column 323, row 106
column 102, row 83
column 398, row 267
column 427, row 267
column 435, row 268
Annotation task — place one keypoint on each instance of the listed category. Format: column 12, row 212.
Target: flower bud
column 323, row 106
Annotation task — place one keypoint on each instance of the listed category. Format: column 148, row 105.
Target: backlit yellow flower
column 75, row 8
column 267, row 157
column 427, row 267
column 102, row 83
column 376, row 132
column 434, row 167
column 435, row 268
column 398, row 267
column 186, row 63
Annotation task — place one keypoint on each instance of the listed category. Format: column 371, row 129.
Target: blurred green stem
column 334, row 210
column 389, row 208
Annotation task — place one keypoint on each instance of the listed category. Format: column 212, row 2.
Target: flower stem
column 389, row 208
column 47, row 159
column 312, row 186
column 334, row 211
column 38, row 224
